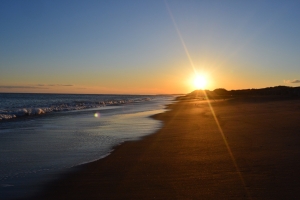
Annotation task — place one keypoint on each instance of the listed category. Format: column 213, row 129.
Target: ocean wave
column 76, row 105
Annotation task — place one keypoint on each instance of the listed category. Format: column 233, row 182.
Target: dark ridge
column 221, row 93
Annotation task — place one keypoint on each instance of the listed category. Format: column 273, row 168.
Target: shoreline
column 37, row 150
column 188, row 159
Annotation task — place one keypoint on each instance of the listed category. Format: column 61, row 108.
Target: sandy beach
column 229, row 149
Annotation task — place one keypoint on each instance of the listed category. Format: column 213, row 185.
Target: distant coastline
column 221, row 93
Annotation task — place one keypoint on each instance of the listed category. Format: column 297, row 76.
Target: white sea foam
column 94, row 160
column 7, row 116
column 14, row 113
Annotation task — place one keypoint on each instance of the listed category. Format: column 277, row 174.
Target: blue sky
column 133, row 46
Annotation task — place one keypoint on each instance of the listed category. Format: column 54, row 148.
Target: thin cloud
column 38, row 86
column 289, row 81
column 56, row 85
column 19, row 87
column 60, row 85
column 295, row 81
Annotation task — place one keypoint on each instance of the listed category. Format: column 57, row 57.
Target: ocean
column 43, row 135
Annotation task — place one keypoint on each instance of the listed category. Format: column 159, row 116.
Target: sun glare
column 200, row 82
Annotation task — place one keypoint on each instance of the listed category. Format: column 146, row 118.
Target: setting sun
column 200, row 82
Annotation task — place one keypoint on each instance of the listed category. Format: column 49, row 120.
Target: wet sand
column 248, row 149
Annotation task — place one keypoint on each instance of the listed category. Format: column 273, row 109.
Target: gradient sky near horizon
column 133, row 47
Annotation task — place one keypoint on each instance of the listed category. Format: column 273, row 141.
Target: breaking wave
column 58, row 106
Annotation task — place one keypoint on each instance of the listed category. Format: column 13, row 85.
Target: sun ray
column 227, row 145
column 210, row 106
column 181, row 38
